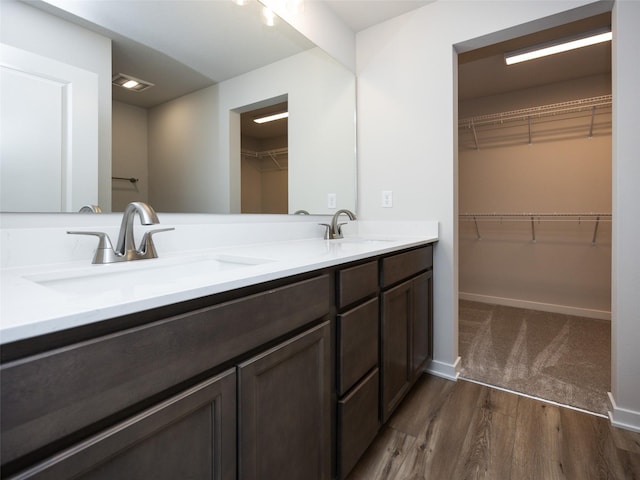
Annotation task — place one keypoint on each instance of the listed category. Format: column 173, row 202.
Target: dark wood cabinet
column 357, row 344
column 190, row 435
column 357, row 353
column 405, row 323
column 358, row 422
column 71, row 388
column 422, row 334
column 396, row 325
column 284, row 410
column 286, row 380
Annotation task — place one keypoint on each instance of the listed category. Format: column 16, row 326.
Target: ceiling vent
column 131, row 83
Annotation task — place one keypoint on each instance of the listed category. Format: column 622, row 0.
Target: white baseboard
column 623, row 418
column 449, row 371
column 545, row 307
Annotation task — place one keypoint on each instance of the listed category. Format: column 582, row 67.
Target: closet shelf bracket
column 475, row 138
column 533, row 230
column 475, row 221
column 595, row 230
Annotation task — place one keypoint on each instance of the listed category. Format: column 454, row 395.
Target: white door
column 48, row 134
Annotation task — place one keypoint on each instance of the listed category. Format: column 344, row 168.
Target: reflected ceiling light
column 268, row 17
column 271, row 118
column 557, row 46
column 240, row 3
column 131, row 83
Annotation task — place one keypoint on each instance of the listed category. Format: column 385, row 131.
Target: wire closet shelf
column 528, row 119
column 537, row 217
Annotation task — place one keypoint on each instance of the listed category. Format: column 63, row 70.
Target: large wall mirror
column 177, row 144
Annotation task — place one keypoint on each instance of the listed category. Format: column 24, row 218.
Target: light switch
column 331, row 200
column 387, row 199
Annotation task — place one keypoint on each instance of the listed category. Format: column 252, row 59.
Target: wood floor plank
column 538, row 437
column 626, row 440
column 439, row 447
column 384, row 457
column 470, row 431
column 584, row 436
column 425, row 398
column 489, row 441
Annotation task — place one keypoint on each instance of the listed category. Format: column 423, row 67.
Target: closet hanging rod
column 532, row 217
column 265, row 153
column 537, row 215
column 585, row 104
column 128, row 179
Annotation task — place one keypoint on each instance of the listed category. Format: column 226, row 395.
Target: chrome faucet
column 334, row 230
column 90, row 209
column 126, row 247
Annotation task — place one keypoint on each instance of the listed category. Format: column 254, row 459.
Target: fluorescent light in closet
column 558, row 46
column 271, row 118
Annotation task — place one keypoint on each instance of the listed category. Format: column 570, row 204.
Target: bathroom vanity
column 285, row 373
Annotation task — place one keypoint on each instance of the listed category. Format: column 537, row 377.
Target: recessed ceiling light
column 558, row 46
column 271, row 118
column 268, row 17
column 131, row 83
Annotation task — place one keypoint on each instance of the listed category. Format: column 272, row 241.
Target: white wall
column 561, row 171
column 407, row 116
column 30, row 29
column 130, row 155
column 320, row 94
column 185, row 173
column 625, row 386
column 194, row 149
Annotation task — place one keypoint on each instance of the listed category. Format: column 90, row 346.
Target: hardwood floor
column 461, row 430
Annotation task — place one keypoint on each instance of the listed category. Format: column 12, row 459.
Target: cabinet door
column 422, row 313
column 396, row 327
column 191, row 435
column 284, row 410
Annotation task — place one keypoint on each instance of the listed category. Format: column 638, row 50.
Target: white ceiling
column 361, row 14
column 216, row 40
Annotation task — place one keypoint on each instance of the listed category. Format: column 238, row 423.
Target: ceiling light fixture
column 268, row 17
column 558, row 46
column 131, row 83
column 271, row 118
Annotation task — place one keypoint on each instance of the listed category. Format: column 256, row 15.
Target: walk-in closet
column 534, row 203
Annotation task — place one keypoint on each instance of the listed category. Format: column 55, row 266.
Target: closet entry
column 534, row 203
column 264, row 167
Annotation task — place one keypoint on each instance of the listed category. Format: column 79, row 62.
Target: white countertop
column 32, row 305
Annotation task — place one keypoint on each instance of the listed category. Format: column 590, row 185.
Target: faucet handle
column 327, row 231
column 105, row 252
column 147, row 248
column 339, row 232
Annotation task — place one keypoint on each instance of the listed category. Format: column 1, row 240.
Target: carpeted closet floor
column 562, row 358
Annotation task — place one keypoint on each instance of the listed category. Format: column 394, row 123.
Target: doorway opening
column 264, row 167
column 534, row 197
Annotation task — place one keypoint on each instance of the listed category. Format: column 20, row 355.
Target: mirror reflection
column 182, row 140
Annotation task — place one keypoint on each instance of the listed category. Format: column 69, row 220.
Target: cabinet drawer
column 358, row 423
column 356, row 283
column 51, row 395
column 357, row 344
column 403, row 265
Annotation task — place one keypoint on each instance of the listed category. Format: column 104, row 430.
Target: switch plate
column 331, row 200
column 387, row 199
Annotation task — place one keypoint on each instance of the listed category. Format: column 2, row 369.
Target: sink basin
column 361, row 241
column 142, row 274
